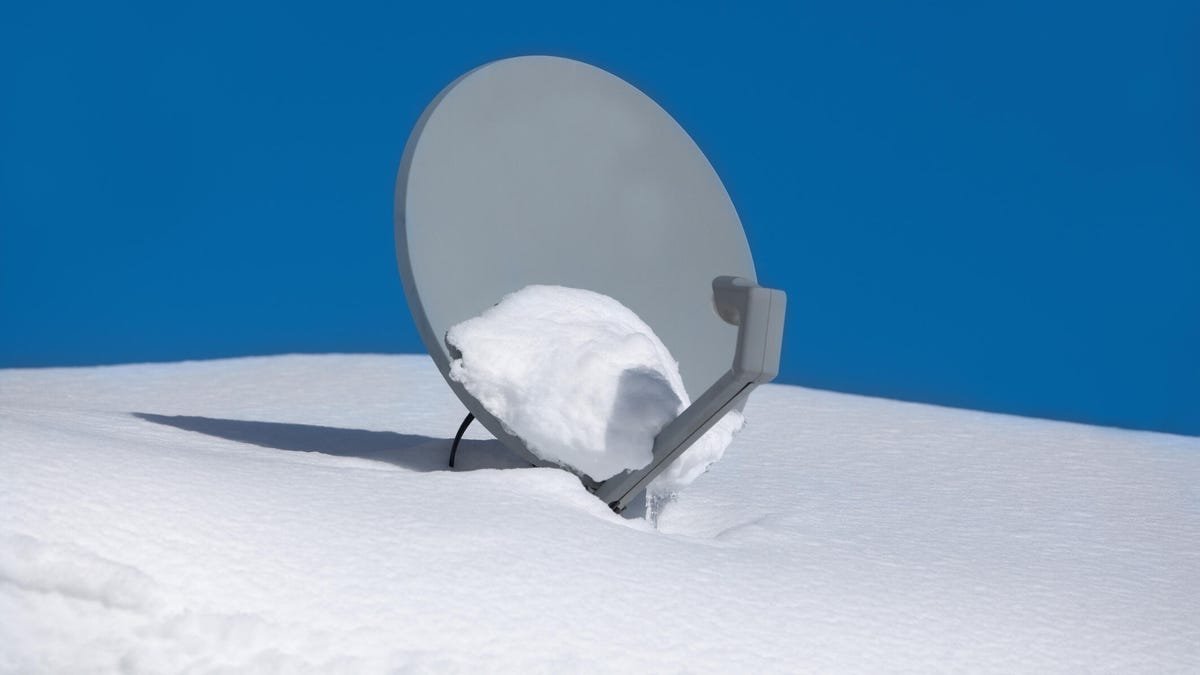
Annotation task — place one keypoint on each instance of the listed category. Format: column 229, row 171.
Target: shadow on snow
column 411, row 451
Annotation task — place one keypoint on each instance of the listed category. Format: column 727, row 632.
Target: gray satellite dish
column 544, row 170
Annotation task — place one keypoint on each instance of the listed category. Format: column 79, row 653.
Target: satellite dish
column 545, row 170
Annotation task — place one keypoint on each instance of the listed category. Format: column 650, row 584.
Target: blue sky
column 993, row 207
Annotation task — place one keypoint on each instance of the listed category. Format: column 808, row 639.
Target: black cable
column 458, row 437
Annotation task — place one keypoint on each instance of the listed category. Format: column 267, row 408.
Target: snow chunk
column 582, row 380
column 74, row 572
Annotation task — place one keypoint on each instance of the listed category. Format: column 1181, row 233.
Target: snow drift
column 296, row 514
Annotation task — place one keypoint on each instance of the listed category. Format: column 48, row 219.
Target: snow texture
column 583, row 381
column 295, row 514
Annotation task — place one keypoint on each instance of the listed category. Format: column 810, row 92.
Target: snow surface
column 295, row 513
column 583, row 381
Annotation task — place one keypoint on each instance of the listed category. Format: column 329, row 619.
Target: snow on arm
column 582, row 380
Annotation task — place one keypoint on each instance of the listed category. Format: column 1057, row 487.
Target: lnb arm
column 758, row 313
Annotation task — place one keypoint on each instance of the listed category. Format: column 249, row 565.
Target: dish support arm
column 758, row 313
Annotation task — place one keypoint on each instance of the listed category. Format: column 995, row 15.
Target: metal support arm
column 758, row 314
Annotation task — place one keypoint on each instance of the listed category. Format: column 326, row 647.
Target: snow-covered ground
column 294, row 513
